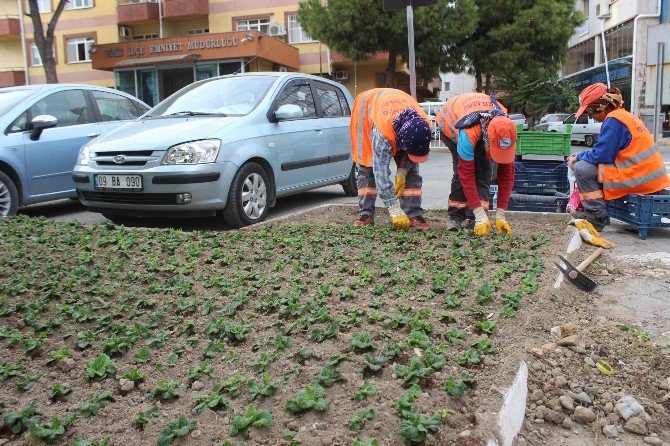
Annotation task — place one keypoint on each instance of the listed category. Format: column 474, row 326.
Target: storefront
column 154, row 69
column 619, row 72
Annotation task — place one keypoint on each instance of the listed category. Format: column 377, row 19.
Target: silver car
column 518, row 118
column 230, row 146
column 543, row 125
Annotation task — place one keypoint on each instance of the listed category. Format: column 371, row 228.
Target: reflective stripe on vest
column 638, row 168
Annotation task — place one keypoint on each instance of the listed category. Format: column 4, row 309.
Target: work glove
column 502, row 227
column 590, row 235
column 399, row 185
column 482, row 223
column 398, row 217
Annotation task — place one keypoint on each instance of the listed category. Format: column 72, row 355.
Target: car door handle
column 93, row 135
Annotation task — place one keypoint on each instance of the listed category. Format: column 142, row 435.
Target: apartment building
column 152, row 48
column 625, row 25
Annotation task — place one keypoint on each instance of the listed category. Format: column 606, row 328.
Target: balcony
column 12, row 77
column 185, row 9
column 136, row 11
column 10, row 27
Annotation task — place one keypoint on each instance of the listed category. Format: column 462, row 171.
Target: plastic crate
column 541, row 177
column 641, row 211
column 556, row 202
column 543, row 143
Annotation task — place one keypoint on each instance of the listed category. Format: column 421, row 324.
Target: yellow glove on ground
column 399, row 185
column 398, row 217
column 502, row 227
column 590, row 235
column 482, row 223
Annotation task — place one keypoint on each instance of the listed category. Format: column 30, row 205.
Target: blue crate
column 541, row 177
column 641, row 211
column 531, row 203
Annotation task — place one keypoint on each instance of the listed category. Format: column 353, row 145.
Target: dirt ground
column 570, row 401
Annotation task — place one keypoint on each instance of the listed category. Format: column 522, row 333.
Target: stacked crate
column 539, row 185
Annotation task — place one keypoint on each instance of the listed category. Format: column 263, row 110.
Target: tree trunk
column 478, row 78
column 45, row 41
column 390, row 69
column 488, row 83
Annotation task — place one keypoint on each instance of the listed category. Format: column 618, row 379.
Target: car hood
column 160, row 133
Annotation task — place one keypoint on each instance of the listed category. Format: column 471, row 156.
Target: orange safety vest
column 638, row 168
column 460, row 106
column 377, row 107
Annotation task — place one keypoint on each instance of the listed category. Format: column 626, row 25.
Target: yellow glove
column 590, row 235
column 502, row 227
column 399, row 186
column 482, row 223
column 398, row 217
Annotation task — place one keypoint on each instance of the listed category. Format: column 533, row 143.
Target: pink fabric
column 575, row 204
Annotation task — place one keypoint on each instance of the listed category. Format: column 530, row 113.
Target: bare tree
column 45, row 41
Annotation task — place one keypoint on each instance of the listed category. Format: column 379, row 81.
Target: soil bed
column 359, row 333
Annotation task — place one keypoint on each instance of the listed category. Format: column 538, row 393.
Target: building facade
column 625, row 25
column 152, row 48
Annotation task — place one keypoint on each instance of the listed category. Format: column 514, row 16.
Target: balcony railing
column 9, row 26
column 133, row 11
column 185, row 8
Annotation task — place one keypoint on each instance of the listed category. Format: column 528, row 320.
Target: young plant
column 265, row 388
column 311, row 397
column 263, row 360
column 97, row 402
column 50, row 432
column 59, row 391
column 252, row 418
column 416, row 426
column 100, row 367
column 486, row 326
column 360, row 441
column 233, row 385
column 358, row 421
column 215, row 401
column 102, row 442
column 57, row 355
column 361, row 341
column 143, row 355
column 18, row 422
column 329, row 375
column 143, row 417
column 165, row 390
column 178, row 428
column 204, row 368
column 133, row 375
column 364, row 391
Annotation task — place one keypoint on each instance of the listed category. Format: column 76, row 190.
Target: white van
column 585, row 130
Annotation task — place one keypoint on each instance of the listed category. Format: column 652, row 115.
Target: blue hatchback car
column 43, row 128
column 228, row 146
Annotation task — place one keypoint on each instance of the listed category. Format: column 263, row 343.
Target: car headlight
column 194, row 152
column 84, row 156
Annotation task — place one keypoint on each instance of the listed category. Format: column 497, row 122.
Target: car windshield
column 517, row 117
column 225, row 96
column 556, row 118
column 8, row 99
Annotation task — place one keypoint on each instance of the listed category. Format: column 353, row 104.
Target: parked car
column 431, row 108
column 585, row 130
column 229, row 145
column 543, row 124
column 44, row 126
column 518, row 118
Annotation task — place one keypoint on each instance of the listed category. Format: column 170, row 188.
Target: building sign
column 219, row 46
column 583, row 30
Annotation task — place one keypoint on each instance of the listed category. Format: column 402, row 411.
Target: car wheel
column 248, row 197
column 9, row 197
column 588, row 140
column 349, row 185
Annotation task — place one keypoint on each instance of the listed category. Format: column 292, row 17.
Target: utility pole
column 391, row 5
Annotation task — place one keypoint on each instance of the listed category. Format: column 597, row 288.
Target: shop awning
column 157, row 60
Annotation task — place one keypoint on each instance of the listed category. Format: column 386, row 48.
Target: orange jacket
column 460, row 106
column 638, row 168
column 377, row 107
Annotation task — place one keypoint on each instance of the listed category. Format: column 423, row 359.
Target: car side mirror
column 288, row 111
column 41, row 122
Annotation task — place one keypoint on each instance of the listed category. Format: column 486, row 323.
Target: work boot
column 468, row 223
column 598, row 223
column 419, row 222
column 453, row 225
column 365, row 220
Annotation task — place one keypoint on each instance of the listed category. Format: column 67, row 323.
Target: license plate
column 126, row 182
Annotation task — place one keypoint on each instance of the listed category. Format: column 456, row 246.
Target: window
column 69, row 107
column 295, row 32
column 300, row 95
column 585, row 8
column 330, row 104
column 145, row 36
column 583, row 119
column 193, row 32
column 343, row 103
column 42, row 6
column 261, row 25
column 35, row 55
column 79, row 4
column 447, row 86
column 114, row 107
column 78, row 49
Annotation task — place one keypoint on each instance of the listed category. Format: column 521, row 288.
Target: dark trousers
column 458, row 203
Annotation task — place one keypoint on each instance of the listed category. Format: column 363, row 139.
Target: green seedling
column 165, row 390
column 358, row 421
column 50, row 432
column 360, row 441
column 97, row 402
column 59, row 391
column 310, row 397
column 329, row 375
column 57, row 355
column 361, row 341
column 233, row 385
column 252, row 418
column 364, row 391
column 100, row 367
column 215, row 401
column 18, row 422
column 176, row 429
column 143, row 417
column 102, row 442
column 264, row 388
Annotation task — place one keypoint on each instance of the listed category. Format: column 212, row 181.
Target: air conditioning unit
column 341, row 75
column 604, row 9
column 125, row 31
column 275, row 29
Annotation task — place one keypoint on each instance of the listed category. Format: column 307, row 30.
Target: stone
column 610, row 431
column 567, row 402
column 628, row 407
column 636, row 425
column 589, row 362
column 553, row 416
column 126, row 385
column 567, row 423
column 3, row 441
column 583, row 415
column 653, row 441
column 66, row 364
column 536, row 395
column 561, row 381
column 582, row 397
column 197, row 385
